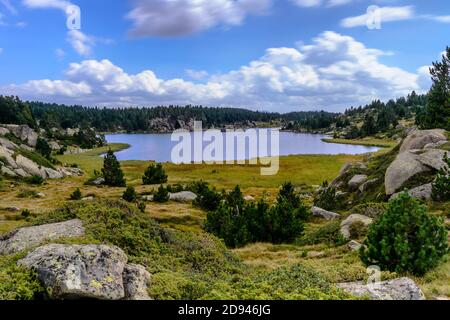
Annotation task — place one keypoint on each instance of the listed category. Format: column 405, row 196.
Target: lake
column 158, row 147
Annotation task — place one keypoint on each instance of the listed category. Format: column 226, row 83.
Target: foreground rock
column 397, row 289
column 75, row 271
column 29, row 237
column 356, row 181
column 136, row 280
column 321, row 213
column 422, row 192
column 354, row 245
column 352, row 220
column 419, row 139
column 184, row 196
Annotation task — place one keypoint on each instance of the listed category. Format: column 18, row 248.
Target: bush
column 326, row 197
column 208, row 198
column 441, row 186
column 76, row 195
column 141, row 206
column 405, row 238
column 328, row 233
column 130, row 194
column 25, row 214
column 43, row 148
column 36, row 180
column 162, row 195
column 112, row 172
column 154, row 174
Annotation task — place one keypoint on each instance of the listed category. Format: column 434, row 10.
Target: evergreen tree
column 76, row 195
column 112, row 173
column 43, row 148
column 130, row 194
column 154, row 174
column 162, row 195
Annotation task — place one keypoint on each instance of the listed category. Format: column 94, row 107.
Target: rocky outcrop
column 79, row 271
column 24, row 133
column 321, row 213
column 29, row 166
column 184, row 196
column 354, row 245
column 136, row 280
column 418, row 139
column 368, row 184
column 422, row 192
column 357, row 181
column 351, row 220
column 26, row 238
column 397, row 289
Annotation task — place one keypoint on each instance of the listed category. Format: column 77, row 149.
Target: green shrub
column 441, row 186
column 162, row 195
column 34, row 179
column 43, row 148
column 154, row 174
column 326, row 197
column 25, row 214
column 405, row 238
column 130, row 194
column 112, row 172
column 141, row 206
column 208, row 198
column 328, row 233
column 76, row 195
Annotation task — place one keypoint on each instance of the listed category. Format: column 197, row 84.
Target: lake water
column 158, row 147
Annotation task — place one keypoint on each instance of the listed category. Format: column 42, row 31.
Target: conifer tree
column 112, row 173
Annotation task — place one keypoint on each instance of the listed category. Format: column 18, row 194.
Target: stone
column 21, row 173
column 71, row 132
column 354, row 245
column 422, row 192
column 79, row 271
column 418, row 139
column 98, row 181
column 8, row 144
column 3, row 131
column 432, row 158
column 29, row 166
column 321, row 213
column 351, row 220
column 184, row 196
column 24, row 133
column 368, row 184
column 52, row 174
column 25, row 238
column 404, row 167
column 40, row 195
column 54, row 145
column 249, row 198
column 356, row 181
column 8, row 172
column 136, row 280
column 7, row 156
column 343, row 171
column 397, row 289
column 148, row 198
column 436, row 145
column 87, row 198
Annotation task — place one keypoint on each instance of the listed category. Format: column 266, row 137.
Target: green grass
column 382, row 143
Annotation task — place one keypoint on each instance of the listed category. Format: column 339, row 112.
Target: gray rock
column 24, row 133
column 184, row 196
column 87, row 199
column 29, row 237
column 354, row 245
column 136, row 281
column 321, row 213
column 29, row 166
column 249, row 198
column 8, row 172
column 79, row 271
column 40, row 195
column 54, row 145
column 432, row 158
column 98, row 181
column 8, row 144
column 397, row 289
column 422, row 192
column 356, row 181
column 52, row 174
column 3, row 131
column 418, row 139
column 404, row 167
column 148, row 198
column 342, row 172
column 436, row 145
column 7, row 156
column 21, row 173
column 368, row 184
column 351, row 220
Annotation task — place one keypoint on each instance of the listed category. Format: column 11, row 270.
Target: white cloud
column 80, row 42
column 197, row 74
column 181, row 17
column 387, row 14
column 307, row 3
column 332, row 72
column 55, row 4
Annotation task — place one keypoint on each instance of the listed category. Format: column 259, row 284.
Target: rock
column 352, row 219
column 98, row 181
column 315, row 254
column 29, row 166
column 8, row 144
column 249, row 198
column 40, row 195
column 54, row 145
column 356, row 181
column 8, row 172
column 7, row 156
column 87, row 199
column 79, row 271
column 397, row 289
column 432, row 158
column 21, row 173
column 24, row 133
column 148, row 198
column 52, row 174
column 418, row 139
column 321, row 213
column 368, row 184
column 354, row 245
column 436, row 145
column 404, row 167
column 71, row 132
column 342, row 172
column 3, row 131
column 28, row 237
column 422, row 192
column 184, row 196
column 135, row 281
column 12, row 209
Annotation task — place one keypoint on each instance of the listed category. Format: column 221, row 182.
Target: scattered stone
column 184, row 196
column 352, row 219
column 368, row 184
column 422, row 192
column 321, row 213
column 148, row 198
column 357, row 180
column 87, row 198
column 418, row 139
column 136, row 280
column 98, row 181
column 397, row 289
column 40, row 195
column 12, row 209
column 29, row 237
column 315, row 254
column 354, row 245
column 79, row 271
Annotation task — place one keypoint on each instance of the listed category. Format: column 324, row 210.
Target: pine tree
column 112, row 173
column 130, row 194
column 154, row 174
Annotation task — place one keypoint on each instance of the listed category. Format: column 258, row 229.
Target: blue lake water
column 158, row 147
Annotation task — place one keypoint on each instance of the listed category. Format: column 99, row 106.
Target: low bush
column 161, row 195
column 328, row 233
column 130, row 194
column 36, row 180
column 208, row 198
column 76, row 195
column 154, row 174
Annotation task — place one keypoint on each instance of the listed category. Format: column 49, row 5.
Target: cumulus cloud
column 80, row 42
column 387, row 14
column 197, row 74
column 55, row 4
column 307, row 3
column 333, row 72
column 181, row 17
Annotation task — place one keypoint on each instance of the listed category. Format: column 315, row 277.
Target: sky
column 268, row 55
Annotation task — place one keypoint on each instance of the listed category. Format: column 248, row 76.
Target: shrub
column 34, row 179
column 328, row 233
column 130, row 194
column 208, row 198
column 112, row 172
column 25, row 214
column 154, row 174
column 405, row 238
column 141, row 206
column 76, row 195
column 162, row 195
column 441, row 185
column 326, row 197
column 43, row 148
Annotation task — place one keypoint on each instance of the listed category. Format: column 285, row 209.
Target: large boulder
column 321, row 213
column 184, row 196
column 24, row 133
column 136, row 281
column 422, row 192
column 26, row 238
column 368, row 184
column 351, row 220
column 397, row 289
column 432, row 158
column 404, row 167
column 29, row 166
column 8, row 144
column 6, row 156
column 79, row 271
column 3, row 131
column 357, row 181
column 420, row 138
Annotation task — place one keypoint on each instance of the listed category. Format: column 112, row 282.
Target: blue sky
column 277, row 55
